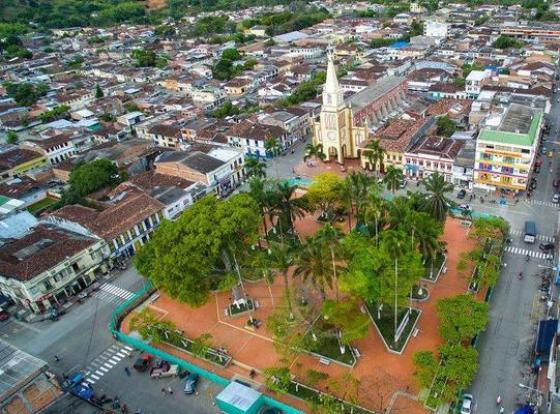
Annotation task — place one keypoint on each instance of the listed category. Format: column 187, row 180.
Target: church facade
column 343, row 125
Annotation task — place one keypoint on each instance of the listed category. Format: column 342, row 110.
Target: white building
column 474, row 82
column 436, row 29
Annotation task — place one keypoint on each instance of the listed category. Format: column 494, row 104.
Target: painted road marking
column 524, row 252
column 539, row 236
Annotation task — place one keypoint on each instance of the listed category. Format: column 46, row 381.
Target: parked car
column 465, row 207
column 461, row 194
column 546, row 246
column 4, row 316
column 403, row 184
column 467, row 405
column 143, row 362
column 556, row 198
column 190, row 384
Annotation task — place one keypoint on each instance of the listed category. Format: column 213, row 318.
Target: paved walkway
column 377, row 369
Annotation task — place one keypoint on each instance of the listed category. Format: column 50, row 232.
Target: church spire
column 332, row 93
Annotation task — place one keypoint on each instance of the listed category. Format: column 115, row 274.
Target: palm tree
column 287, row 207
column 314, row 151
column 272, row 149
column 330, row 237
column 254, row 168
column 314, row 262
column 264, row 198
column 375, row 155
column 355, row 190
column 272, row 146
column 393, row 178
column 437, row 204
column 280, row 258
column 376, row 212
column 394, row 244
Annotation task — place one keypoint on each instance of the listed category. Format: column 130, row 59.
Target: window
column 76, row 267
column 47, row 285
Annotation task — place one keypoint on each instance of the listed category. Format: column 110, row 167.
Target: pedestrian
column 124, row 409
column 170, row 390
column 164, row 391
column 56, row 358
column 127, row 371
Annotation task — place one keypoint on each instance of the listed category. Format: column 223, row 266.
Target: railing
column 143, row 294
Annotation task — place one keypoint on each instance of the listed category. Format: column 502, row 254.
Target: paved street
column 82, row 341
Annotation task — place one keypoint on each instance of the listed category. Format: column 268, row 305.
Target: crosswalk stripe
column 100, row 373
column 539, row 236
column 525, row 252
column 103, row 369
column 121, row 355
column 115, row 359
column 90, row 381
column 128, row 348
column 94, row 377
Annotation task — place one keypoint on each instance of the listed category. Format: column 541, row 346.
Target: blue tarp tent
column 525, row 410
column 547, row 330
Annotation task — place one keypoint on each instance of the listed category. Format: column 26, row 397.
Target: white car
column 465, row 207
column 556, row 198
column 467, row 406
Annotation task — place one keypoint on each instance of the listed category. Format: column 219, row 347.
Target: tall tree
column 280, row 257
column 287, row 207
column 393, row 178
column 254, row 168
column 324, row 193
column 262, row 195
column 314, row 151
column 330, row 237
column 437, row 204
column 314, row 263
column 375, row 155
column 189, row 257
column 354, row 191
column 461, row 318
column 273, row 148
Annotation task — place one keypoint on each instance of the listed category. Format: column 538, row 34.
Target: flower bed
column 211, row 355
column 311, row 395
column 386, row 326
column 434, row 398
column 433, row 269
column 327, row 345
column 237, row 310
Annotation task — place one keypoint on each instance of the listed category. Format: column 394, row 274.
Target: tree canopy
column 189, row 257
column 461, row 318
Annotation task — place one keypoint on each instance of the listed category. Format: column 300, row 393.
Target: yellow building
column 506, row 149
column 18, row 161
column 335, row 130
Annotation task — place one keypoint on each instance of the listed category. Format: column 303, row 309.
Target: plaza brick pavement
column 377, row 369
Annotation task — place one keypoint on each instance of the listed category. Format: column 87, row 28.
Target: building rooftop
column 39, row 250
column 17, row 368
column 518, row 126
column 363, row 98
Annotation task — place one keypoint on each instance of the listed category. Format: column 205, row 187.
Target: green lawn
column 387, row 323
column 41, row 205
column 435, row 266
column 327, row 344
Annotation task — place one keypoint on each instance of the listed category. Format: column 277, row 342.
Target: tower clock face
column 331, row 136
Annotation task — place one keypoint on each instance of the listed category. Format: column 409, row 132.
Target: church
column 343, row 125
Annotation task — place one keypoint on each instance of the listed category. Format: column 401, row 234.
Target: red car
column 143, row 362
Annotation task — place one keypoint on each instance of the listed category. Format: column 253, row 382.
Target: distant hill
column 79, row 13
